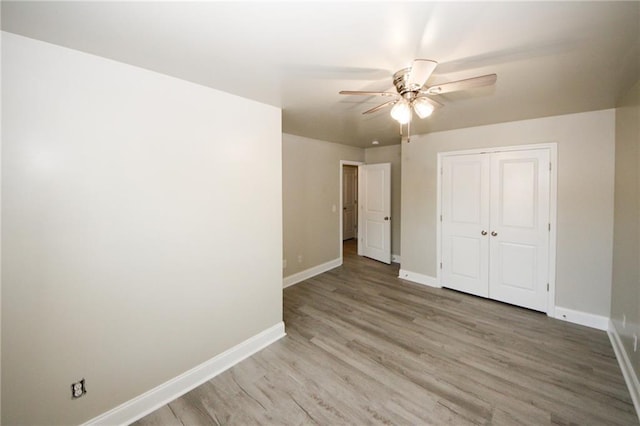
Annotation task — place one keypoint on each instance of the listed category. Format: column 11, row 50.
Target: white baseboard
column 310, row 273
column 150, row 401
column 419, row 278
column 582, row 318
column 395, row 258
column 628, row 372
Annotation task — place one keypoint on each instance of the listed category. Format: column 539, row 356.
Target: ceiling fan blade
column 379, row 107
column 358, row 92
column 421, row 70
column 469, row 83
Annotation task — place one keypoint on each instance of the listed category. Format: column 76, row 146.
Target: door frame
column 553, row 208
column 346, row 163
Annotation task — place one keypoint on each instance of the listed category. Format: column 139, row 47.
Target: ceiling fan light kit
column 412, row 95
column 423, row 107
column 401, row 111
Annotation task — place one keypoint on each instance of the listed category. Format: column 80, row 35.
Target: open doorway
column 349, row 203
column 349, row 206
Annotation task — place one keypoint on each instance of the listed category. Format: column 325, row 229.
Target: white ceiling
column 551, row 57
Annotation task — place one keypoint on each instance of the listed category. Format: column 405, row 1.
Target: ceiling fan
column 411, row 94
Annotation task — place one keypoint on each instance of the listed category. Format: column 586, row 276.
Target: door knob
column 483, row 232
column 387, row 218
column 494, row 233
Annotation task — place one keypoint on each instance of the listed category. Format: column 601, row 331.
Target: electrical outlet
column 635, row 342
column 624, row 321
column 78, row 389
column 299, row 258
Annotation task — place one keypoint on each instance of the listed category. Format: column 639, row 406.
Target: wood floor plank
column 365, row 347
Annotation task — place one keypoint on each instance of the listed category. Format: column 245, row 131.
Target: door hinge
column 549, row 227
column 441, row 171
column 440, row 265
column 440, row 218
column 549, row 166
column 547, row 286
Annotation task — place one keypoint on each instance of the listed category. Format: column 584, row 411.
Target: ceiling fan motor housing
column 401, row 82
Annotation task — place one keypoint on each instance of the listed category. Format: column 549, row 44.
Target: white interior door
column 465, row 223
column 519, row 247
column 349, row 202
column 495, row 225
column 375, row 210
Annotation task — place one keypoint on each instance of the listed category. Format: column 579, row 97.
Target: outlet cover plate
column 78, row 389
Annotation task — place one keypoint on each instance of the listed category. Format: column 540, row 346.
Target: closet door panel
column 465, row 217
column 519, row 242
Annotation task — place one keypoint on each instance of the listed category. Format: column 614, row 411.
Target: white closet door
column 519, row 242
column 375, row 199
column 465, row 223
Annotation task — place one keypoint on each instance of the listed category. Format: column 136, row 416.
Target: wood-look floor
column 364, row 347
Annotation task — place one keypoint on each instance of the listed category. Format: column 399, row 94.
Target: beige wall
column 132, row 204
column 625, row 296
column 390, row 154
column 585, row 198
column 311, row 189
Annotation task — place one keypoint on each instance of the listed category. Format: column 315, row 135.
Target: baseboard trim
column 629, row 374
column 582, row 318
column 418, row 278
column 311, row 272
column 395, row 258
column 150, row 401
